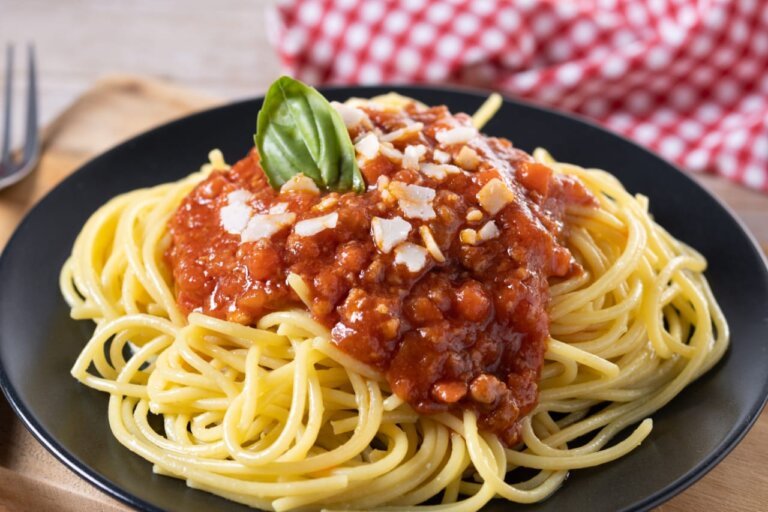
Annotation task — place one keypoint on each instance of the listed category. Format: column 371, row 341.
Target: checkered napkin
column 686, row 78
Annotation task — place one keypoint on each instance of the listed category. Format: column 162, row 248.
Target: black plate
column 39, row 343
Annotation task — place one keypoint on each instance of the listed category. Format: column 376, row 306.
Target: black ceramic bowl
column 39, row 342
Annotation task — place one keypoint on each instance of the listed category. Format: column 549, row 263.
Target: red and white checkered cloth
column 686, row 78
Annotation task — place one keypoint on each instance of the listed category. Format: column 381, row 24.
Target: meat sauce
column 466, row 332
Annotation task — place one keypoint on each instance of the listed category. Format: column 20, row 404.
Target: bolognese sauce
column 437, row 274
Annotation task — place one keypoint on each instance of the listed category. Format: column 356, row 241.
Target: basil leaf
column 298, row 131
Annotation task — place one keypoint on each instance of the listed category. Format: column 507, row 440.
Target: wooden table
column 31, row 479
column 220, row 48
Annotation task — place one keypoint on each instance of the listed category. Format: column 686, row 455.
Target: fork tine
column 31, row 142
column 12, row 172
column 5, row 153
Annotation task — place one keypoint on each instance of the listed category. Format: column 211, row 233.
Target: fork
column 13, row 169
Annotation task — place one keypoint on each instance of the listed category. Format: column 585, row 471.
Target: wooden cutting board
column 121, row 106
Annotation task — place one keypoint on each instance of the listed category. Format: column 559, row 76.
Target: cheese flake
column 352, row 116
column 300, row 183
column 456, row 135
column 309, row 227
column 413, row 256
column 431, row 244
column 239, row 196
column 327, row 202
column 234, row 217
column 468, row 159
column 264, row 226
column 382, row 185
column 412, row 155
column 494, row 196
column 488, row 232
column 438, row 171
column 415, row 201
column 474, row 215
column 278, row 208
column 389, row 151
column 441, row 157
column 468, row 236
column 387, row 233
column 368, row 146
column 402, row 132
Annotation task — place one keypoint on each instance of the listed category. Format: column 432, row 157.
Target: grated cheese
column 412, row 155
column 413, row 256
column 237, row 218
column 414, row 201
column 456, row 135
column 438, row 171
column 468, row 236
column 441, row 157
column 234, row 217
column 402, row 132
column 368, row 146
column 382, row 184
column 327, row 202
column 430, row 244
column 387, row 233
column 309, row 227
column 264, row 226
column 488, row 232
column 300, row 183
column 474, row 215
column 494, row 196
column 352, row 116
column 279, row 208
column 468, row 159
column 239, row 196
column 389, row 151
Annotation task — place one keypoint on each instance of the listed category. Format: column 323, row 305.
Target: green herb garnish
column 298, row 131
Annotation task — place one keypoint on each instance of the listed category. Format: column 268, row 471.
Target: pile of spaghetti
column 269, row 403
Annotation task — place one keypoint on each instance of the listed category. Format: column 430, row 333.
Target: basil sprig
column 298, row 131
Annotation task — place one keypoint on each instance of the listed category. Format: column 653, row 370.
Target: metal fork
column 13, row 169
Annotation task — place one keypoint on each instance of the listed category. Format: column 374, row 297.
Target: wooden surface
column 114, row 109
column 217, row 47
column 118, row 107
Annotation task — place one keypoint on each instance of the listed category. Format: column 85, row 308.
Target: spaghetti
column 277, row 416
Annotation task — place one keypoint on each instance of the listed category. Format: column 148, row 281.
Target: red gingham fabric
column 686, row 78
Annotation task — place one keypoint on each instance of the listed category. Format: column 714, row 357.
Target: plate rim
column 84, row 471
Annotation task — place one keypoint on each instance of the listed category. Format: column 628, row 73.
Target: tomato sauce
column 466, row 332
